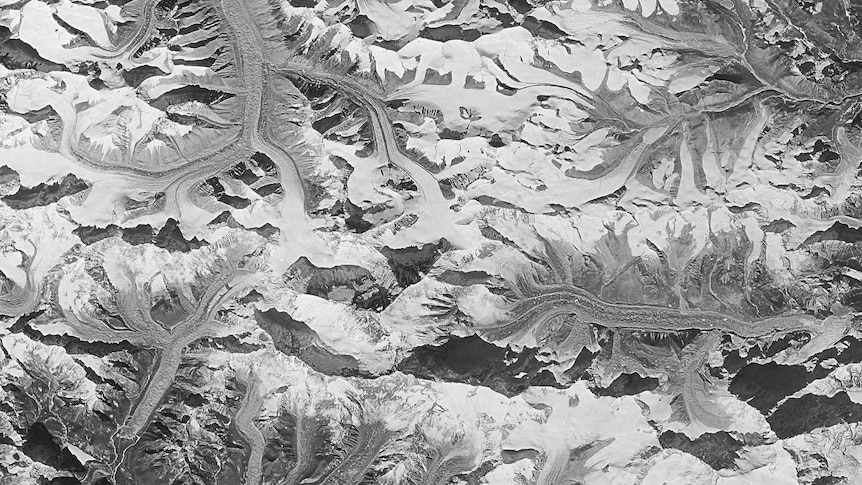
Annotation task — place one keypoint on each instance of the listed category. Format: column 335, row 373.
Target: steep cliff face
column 413, row 242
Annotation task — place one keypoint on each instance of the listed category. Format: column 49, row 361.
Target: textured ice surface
column 430, row 242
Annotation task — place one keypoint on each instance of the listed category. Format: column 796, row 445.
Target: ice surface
column 250, row 241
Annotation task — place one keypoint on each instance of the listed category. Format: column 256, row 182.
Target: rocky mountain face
column 274, row 242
